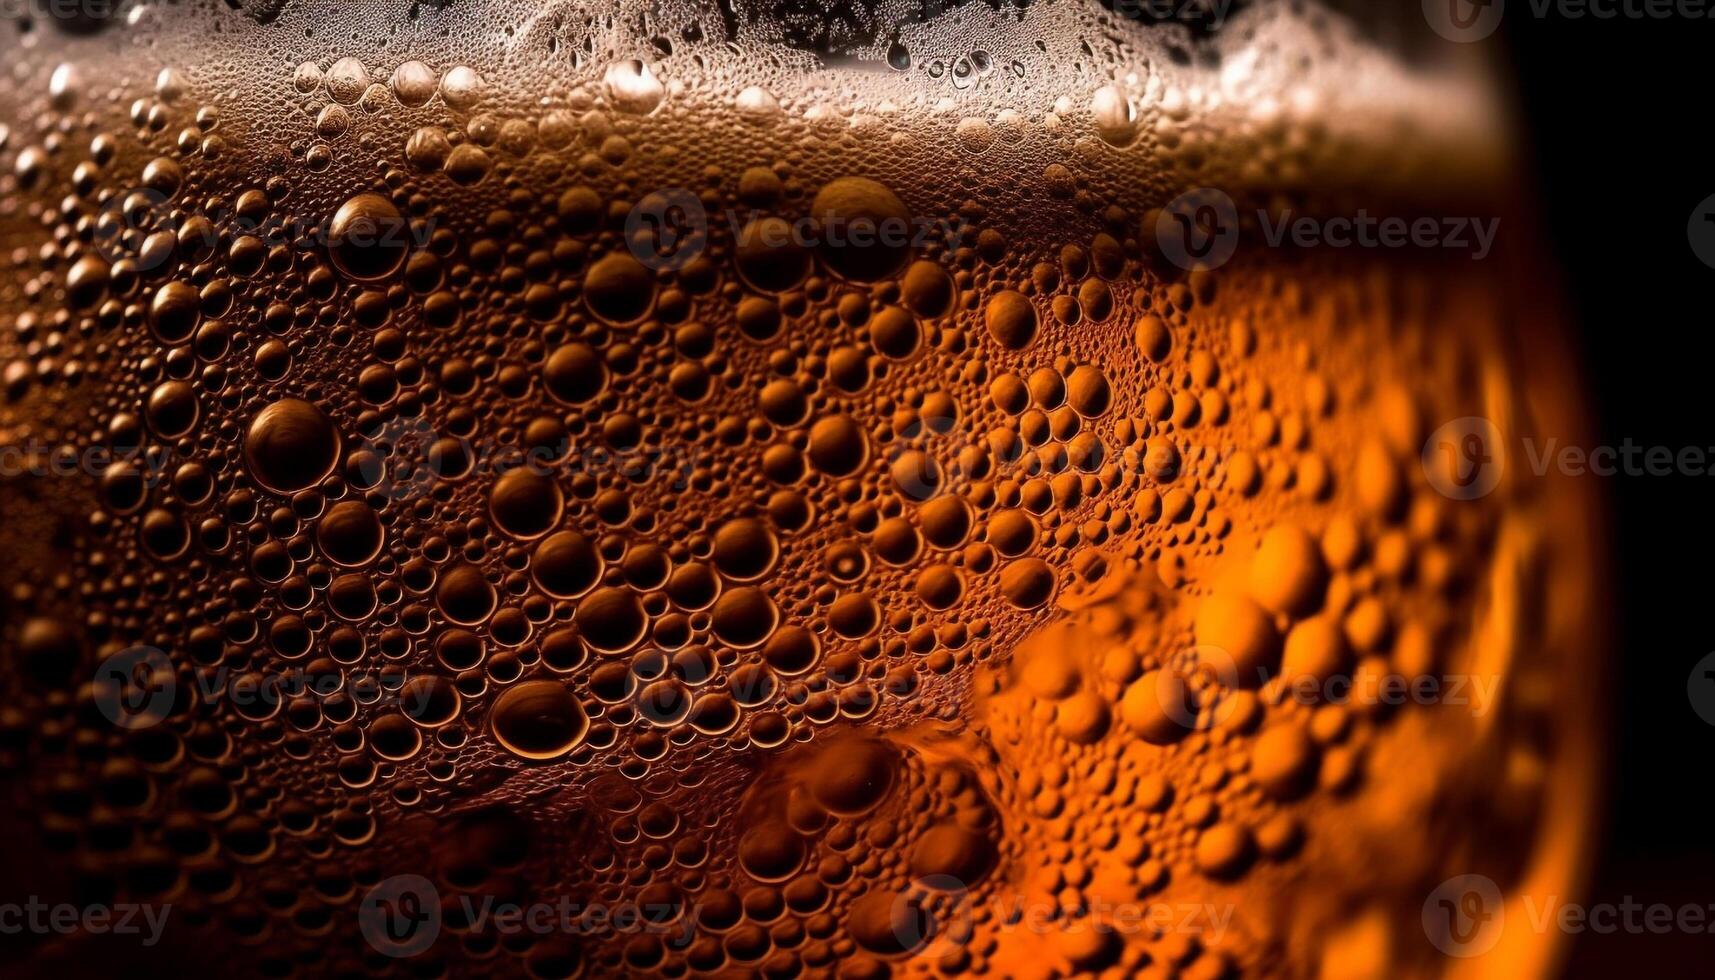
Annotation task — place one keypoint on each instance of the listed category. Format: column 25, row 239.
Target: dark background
column 1617, row 116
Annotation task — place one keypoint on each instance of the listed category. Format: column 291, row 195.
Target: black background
column 1617, row 116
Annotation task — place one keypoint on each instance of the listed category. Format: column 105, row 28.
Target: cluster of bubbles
column 812, row 591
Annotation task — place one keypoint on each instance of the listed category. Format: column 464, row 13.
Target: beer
column 714, row 489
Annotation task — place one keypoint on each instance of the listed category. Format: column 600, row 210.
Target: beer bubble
column 866, row 231
column 413, row 83
column 350, row 533
column 526, row 504
column 466, row 164
column 368, row 238
column 347, row 80
column 633, row 88
column 465, row 596
column 462, row 87
column 428, row 149
column 538, row 720
column 1011, row 319
column 290, row 445
column 837, row 445
column 619, row 289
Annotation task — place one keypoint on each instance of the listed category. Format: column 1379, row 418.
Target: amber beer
column 688, row 489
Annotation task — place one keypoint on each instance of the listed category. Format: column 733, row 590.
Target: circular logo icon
column 1464, row 916
column 1199, row 229
column 1700, row 231
column 1463, row 21
column 1216, row 674
column 402, row 459
column 915, row 474
column 123, row 223
column 136, row 687
column 1700, row 688
column 401, row 916
column 913, row 922
column 667, row 229
column 1463, row 460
